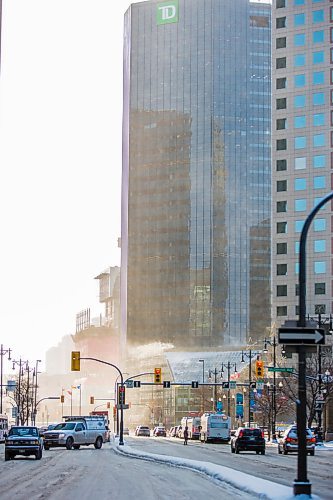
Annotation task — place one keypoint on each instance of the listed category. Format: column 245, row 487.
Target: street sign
column 301, row 335
column 225, row 385
column 253, row 385
column 232, row 384
column 125, row 406
column 166, row 384
column 282, row 370
column 129, row 384
column 137, row 383
column 260, row 385
column 195, row 384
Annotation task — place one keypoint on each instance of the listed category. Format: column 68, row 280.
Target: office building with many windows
column 302, row 130
column 196, row 194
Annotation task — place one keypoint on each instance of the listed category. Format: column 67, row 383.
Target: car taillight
column 312, row 440
column 288, row 440
column 240, row 434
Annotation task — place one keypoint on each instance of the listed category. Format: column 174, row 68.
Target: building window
column 299, row 19
column 300, row 184
column 300, row 205
column 281, row 186
column 297, row 289
column 299, row 225
column 319, row 182
column 297, row 268
column 319, row 224
column 281, row 42
column 319, row 119
column 300, row 121
column 281, row 22
column 320, row 288
column 320, row 309
column 280, row 4
column 281, row 144
column 299, row 101
column 281, row 165
column 281, row 62
column 318, row 140
column 281, row 83
column 319, row 246
column 318, row 78
column 281, row 227
column 281, row 206
column 320, row 267
column 281, row 103
column 299, row 60
column 299, row 80
column 318, row 98
column 281, row 311
column 319, row 161
column 317, row 16
column 300, row 163
column 281, row 248
column 300, row 142
column 281, row 270
column 318, row 36
column 296, row 247
column 281, row 291
column 318, row 57
column 281, row 123
column 299, row 39
column 299, row 2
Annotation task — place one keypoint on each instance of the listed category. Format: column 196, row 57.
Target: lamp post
column 251, row 354
column 203, row 387
column 20, row 364
column 274, row 344
column 2, row 353
column 210, row 376
column 35, row 390
column 228, row 366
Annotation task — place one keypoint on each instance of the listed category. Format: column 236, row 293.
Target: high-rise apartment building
column 196, row 193
column 302, row 86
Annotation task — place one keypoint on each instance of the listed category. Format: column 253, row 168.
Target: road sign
column 260, row 385
column 125, row 406
column 137, row 383
column 166, row 384
column 129, row 384
column 225, row 385
column 232, row 384
column 253, row 385
column 301, row 335
column 195, row 384
column 282, row 370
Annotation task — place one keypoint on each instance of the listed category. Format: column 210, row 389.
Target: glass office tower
column 196, row 173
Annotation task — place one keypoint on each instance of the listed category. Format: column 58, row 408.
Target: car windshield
column 292, row 433
column 144, row 428
column 67, row 426
column 23, row 431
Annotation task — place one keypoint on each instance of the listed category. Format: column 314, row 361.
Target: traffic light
column 92, row 400
column 108, row 405
column 157, row 375
column 121, row 395
column 259, row 368
column 62, row 398
column 75, row 361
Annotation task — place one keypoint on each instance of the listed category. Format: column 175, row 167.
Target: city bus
column 3, row 427
column 215, row 427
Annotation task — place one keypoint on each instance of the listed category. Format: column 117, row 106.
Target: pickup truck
column 23, row 440
column 77, row 431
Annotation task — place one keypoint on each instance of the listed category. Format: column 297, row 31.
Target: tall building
column 302, row 83
column 196, row 195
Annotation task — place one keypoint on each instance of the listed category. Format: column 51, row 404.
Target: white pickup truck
column 77, row 431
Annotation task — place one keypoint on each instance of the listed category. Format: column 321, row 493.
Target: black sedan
column 248, row 439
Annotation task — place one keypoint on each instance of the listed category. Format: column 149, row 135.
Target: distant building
column 196, row 173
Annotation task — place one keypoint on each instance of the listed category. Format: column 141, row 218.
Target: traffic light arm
column 138, row 375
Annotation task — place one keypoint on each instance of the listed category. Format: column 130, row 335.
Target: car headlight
column 36, row 442
column 9, row 442
column 62, row 435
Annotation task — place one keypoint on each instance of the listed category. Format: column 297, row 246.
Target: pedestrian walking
column 185, row 435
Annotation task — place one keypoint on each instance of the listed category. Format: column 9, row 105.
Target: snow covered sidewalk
column 258, row 487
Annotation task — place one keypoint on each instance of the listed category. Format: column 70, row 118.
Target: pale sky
column 60, row 158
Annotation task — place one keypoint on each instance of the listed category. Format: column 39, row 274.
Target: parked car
column 159, row 431
column 289, row 441
column 23, row 440
column 142, row 430
column 248, row 439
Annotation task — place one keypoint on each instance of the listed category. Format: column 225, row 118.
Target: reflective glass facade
column 196, row 173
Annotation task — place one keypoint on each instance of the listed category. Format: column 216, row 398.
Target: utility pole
column 228, row 366
column 2, row 350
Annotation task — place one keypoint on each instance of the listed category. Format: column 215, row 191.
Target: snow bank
column 245, row 482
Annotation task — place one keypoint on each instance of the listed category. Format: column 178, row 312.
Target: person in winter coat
column 185, row 435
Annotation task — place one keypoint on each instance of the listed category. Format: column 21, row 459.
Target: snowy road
column 278, row 468
column 102, row 474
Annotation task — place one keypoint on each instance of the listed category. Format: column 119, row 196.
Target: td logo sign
column 167, row 12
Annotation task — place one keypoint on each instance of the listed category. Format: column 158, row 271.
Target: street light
column 210, row 374
column 35, row 374
column 20, row 363
column 249, row 355
column 203, row 387
column 2, row 353
column 274, row 344
column 228, row 366
column 203, row 369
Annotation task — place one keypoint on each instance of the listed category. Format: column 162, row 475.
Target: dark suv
column 248, row 439
column 23, row 440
